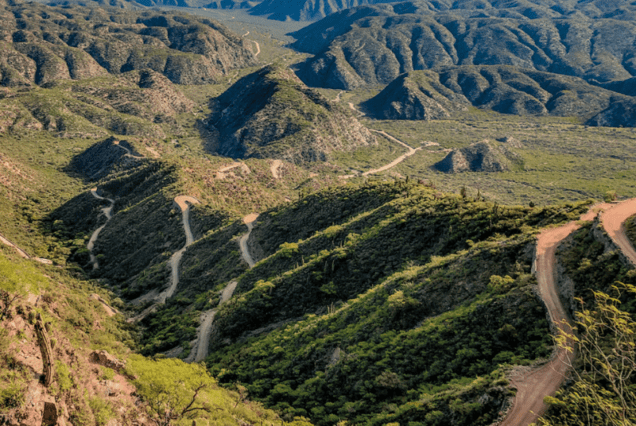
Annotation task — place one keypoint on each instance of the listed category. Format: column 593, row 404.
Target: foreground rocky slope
column 270, row 113
column 374, row 44
column 43, row 44
column 428, row 95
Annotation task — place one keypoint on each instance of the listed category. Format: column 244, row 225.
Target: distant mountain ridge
column 310, row 10
column 375, row 44
column 429, row 95
column 40, row 44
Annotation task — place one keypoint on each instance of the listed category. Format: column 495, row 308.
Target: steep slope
column 485, row 156
column 418, row 95
column 374, row 44
column 44, row 44
column 95, row 376
column 426, row 95
column 337, row 322
column 271, row 114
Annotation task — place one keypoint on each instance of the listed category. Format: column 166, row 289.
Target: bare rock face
column 272, row 114
column 107, row 360
column 50, row 415
column 482, row 156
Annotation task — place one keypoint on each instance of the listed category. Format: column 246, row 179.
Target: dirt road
column 249, row 221
column 184, row 202
column 534, row 385
column 200, row 351
column 275, row 167
column 393, row 163
column 106, row 211
column 613, row 220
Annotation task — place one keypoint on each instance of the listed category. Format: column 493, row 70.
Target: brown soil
column 613, row 220
column 535, row 384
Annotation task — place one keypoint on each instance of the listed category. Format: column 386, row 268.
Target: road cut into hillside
column 249, row 221
column 106, row 211
column 613, row 220
column 201, row 347
column 275, row 167
column 535, row 384
column 184, row 202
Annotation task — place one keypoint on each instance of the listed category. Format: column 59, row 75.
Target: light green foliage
column 15, row 283
column 604, row 391
column 177, row 393
column 13, row 387
column 102, row 410
column 107, row 374
column 500, row 284
column 63, row 378
column 288, row 249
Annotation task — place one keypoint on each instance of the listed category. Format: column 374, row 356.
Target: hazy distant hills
column 375, row 44
column 40, row 44
column 302, row 10
column 427, row 95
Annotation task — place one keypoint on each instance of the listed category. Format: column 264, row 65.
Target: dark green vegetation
column 374, row 44
column 388, row 312
column 271, row 114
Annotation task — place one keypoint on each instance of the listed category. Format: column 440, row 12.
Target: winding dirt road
column 249, row 221
column 184, row 202
column 275, row 167
column 220, row 174
column 613, row 220
column 200, row 351
column 535, row 384
column 128, row 152
column 106, row 211
column 393, row 163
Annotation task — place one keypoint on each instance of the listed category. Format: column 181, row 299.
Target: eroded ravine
column 106, row 211
column 533, row 386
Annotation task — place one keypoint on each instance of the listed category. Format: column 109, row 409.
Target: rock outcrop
column 482, row 156
column 272, row 114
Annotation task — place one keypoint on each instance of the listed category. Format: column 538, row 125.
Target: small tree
column 15, row 282
column 173, row 389
column 610, row 196
column 604, row 392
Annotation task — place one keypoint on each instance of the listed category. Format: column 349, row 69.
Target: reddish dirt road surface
column 536, row 384
column 613, row 220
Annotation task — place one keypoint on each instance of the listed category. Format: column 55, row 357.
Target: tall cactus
column 45, row 348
